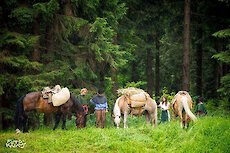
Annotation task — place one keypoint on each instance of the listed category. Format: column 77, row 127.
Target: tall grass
column 208, row 134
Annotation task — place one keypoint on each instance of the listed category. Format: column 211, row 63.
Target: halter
column 117, row 116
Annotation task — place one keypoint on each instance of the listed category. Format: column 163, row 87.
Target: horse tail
column 19, row 113
column 116, row 109
column 184, row 102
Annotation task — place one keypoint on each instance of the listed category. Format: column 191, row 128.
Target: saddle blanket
column 61, row 97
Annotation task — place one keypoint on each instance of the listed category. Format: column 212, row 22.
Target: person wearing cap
column 200, row 109
column 101, row 106
column 83, row 99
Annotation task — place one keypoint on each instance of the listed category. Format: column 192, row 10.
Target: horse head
column 81, row 116
column 117, row 113
column 80, row 119
column 117, row 120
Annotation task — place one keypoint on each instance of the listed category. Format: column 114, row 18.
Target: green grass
column 208, row 134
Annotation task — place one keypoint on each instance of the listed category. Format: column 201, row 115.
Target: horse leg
column 174, row 115
column 153, row 118
column 147, row 116
column 57, row 120
column 181, row 119
column 187, row 119
column 24, row 123
column 19, row 124
column 125, row 119
column 131, row 112
column 154, row 121
column 64, row 122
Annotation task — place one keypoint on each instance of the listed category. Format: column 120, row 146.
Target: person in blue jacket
column 101, row 106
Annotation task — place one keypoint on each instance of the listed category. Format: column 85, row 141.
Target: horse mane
column 76, row 103
column 131, row 91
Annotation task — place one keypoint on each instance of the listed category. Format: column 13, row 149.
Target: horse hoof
column 17, row 131
column 26, row 131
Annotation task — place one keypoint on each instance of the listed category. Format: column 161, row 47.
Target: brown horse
column 35, row 102
column 122, row 107
column 183, row 101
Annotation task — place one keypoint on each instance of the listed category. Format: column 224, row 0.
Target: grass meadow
column 208, row 134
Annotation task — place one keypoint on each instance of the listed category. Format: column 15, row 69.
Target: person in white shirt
column 164, row 105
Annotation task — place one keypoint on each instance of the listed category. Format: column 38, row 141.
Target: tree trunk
column 114, row 72
column 50, row 40
column 185, row 66
column 199, row 59
column 36, row 52
column 67, row 8
column 134, row 74
column 149, row 71
column 114, row 80
column 157, row 72
column 101, row 80
column 1, row 114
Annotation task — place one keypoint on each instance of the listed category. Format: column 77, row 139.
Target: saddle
column 56, row 95
column 136, row 99
column 47, row 92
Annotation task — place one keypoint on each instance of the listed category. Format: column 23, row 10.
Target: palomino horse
column 35, row 102
column 122, row 107
column 183, row 101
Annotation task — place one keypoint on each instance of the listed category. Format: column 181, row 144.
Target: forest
column 161, row 47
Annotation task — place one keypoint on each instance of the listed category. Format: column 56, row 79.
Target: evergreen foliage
column 110, row 44
column 224, row 57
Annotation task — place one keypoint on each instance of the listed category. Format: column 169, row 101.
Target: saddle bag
column 138, row 100
column 61, row 97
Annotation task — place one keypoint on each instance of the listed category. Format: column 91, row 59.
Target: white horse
column 122, row 107
column 183, row 101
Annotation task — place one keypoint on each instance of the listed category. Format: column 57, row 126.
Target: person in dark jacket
column 101, row 106
column 83, row 99
column 200, row 109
